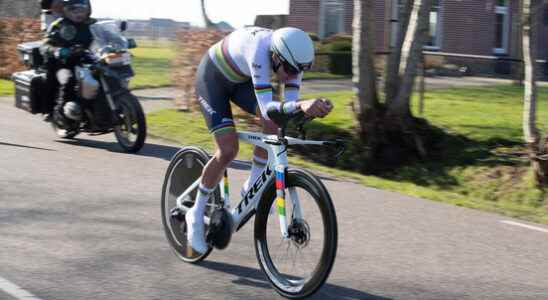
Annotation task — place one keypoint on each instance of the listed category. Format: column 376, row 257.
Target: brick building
column 472, row 27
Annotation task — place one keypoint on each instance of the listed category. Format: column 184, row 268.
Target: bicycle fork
column 280, row 199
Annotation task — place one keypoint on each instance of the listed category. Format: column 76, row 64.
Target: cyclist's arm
column 260, row 75
column 292, row 88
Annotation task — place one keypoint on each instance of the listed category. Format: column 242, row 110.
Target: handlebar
column 300, row 119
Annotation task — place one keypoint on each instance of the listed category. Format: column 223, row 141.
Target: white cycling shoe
column 195, row 232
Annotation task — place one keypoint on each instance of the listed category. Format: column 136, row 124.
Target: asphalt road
column 81, row 220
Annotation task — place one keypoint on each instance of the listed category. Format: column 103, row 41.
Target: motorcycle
column 102, row 80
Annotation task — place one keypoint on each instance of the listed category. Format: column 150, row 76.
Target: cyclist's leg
column 213, row 92
column 244, row 97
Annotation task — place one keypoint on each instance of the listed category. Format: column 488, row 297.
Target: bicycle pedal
column 219, row 232
column 178, row 214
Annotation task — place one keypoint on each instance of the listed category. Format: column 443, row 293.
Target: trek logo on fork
column 261, row 180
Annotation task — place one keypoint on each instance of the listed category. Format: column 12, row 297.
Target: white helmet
column 294, row 48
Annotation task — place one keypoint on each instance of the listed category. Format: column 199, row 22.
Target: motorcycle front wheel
column 131, row 130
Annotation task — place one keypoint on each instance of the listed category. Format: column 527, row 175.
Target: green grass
column 323, row 75
column 6, row 87
column 481, row 166
column 152, row 64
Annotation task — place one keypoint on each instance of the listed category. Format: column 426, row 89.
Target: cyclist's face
column 281, row 73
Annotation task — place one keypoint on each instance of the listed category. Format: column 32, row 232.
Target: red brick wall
column 381, row 23
column 467, row 27
column 304, row 14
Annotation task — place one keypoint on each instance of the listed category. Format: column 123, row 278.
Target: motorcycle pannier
column 30, row 89
column 30, row 54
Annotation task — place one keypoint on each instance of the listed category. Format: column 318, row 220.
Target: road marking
column 16, row 291
column 525, row 226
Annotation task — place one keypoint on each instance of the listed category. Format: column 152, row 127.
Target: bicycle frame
column 276, row 169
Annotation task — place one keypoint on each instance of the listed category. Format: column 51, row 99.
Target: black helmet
column 45, row 4
column 77, row 11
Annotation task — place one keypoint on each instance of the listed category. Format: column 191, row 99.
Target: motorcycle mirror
column 123, row 26
column 131, row 44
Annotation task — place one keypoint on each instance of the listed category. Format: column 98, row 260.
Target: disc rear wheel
column 185, row 168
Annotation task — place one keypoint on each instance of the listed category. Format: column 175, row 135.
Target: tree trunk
column 364, row 78
column 415, row 39
column 535, row 145
column 207, row 21
column 392, row 78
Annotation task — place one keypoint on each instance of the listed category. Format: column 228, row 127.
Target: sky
column 236, row 12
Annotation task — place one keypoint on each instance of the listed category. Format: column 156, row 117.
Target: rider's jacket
column 245, row 55
column 63, row 33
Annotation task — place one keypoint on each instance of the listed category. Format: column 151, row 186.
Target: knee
column 227, row 152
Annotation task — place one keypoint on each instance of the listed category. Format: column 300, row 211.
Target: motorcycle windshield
column 107, row 37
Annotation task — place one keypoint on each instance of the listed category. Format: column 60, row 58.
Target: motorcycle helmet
column 78, row 11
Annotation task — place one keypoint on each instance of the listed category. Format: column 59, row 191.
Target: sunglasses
column 78, row 8
column 289, row 68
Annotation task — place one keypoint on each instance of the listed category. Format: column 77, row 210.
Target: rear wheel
column 185, row 168
column 132, row 130
column 299, row 265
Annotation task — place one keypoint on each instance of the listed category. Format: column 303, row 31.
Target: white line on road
column 15, row 291
column 525, row 226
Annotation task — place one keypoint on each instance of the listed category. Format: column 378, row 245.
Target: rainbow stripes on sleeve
column 292, row 86
column 262, row 89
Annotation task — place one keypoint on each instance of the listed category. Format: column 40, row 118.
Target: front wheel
column 132, row 130
column 299, row 265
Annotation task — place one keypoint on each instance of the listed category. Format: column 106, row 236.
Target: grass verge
column 152, row 64
column 6, row 88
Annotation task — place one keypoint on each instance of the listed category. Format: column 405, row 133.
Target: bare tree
column 536, row 145
column 207, row 21
column 388, row 130
column 365, row 79
column 393, row 64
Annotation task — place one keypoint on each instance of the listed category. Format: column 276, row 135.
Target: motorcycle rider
column 66, row 39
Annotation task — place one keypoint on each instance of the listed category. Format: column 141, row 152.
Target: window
column 434, row 36
column 434, row 30
column 333, row 17
column 502, row 25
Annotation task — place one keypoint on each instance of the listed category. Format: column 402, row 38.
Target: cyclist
column 239, row 68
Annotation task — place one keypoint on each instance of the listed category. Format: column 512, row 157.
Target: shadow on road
column 148, row 150
column 254, row 277
column 24, row 146
column 159, row 151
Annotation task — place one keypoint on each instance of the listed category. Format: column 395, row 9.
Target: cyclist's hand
column 316, row 107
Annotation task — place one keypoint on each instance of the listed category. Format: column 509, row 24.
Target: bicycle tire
column 312, row 185
column 178, row 177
